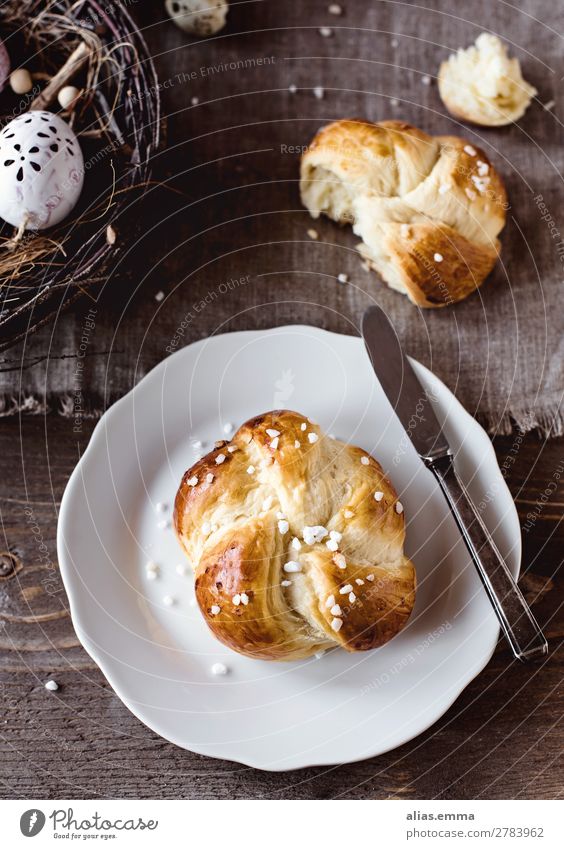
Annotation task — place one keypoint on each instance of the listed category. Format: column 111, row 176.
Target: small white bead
column 192, row 481
column 438, row 257
column 330, row 601
column 244, row 598
column 286, row 583
column 312, row 437
column 292, row 88
column 251, row 470
column 336, row 610
column 219, row 669
column 303, row 426
column 337, row 624
column 272, row 433
column 194, row 101
column 426, row 79
column 378, row 495
column 346, row 589
column 296, row 544
column 313, row 234
column 236, row 599
column 209, row 477
column 343, row 278
column 297, row 443
column 228, row 428
column 159, row 297
column 359, row 582
column 292, row 566
column 51, row 685
column 68, row 96
column 365, row 460
column 399, row 507
column 348, row 514
column 471, row 151
column 370, row 577
column 352, row 598
column 326, row 32
column 274, row 443
column 335, row 9
column 319, row 92
column 20, row 81
column 332, row 544
column 267, row 503
column 220, row 459
column 215, row 609
column 283, row 526
column 168, row 600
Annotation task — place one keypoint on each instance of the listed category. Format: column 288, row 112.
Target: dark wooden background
column 502, row 738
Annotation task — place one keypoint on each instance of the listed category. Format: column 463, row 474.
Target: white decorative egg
column 4, row 65
column 41, row 170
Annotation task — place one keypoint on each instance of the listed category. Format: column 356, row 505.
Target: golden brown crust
column 230, row 518
column 428, row 283
column 410, row 197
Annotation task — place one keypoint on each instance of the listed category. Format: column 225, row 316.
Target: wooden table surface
column 501, row 739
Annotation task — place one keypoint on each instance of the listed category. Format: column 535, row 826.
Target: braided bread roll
column 296, row 540
column 428, row 209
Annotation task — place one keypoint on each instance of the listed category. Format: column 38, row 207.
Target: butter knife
column 414, row 410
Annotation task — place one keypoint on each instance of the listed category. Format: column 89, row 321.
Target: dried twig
column 76, row 61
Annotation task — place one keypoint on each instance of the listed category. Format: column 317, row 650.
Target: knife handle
column 518, row 623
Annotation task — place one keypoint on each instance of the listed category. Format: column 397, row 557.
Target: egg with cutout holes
column 4, row 65
column 41, row 170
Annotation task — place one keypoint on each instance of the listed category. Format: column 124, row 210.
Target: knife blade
column 413, row 406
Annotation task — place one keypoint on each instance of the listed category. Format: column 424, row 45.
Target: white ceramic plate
column 158, row 659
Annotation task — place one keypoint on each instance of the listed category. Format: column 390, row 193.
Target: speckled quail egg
column 198, row 17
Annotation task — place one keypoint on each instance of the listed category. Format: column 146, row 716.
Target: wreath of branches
column 96, row 47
